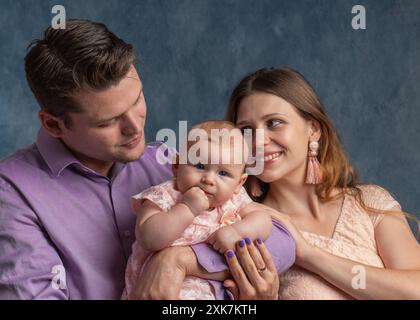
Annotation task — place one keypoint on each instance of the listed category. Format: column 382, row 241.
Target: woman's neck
column 294, row 199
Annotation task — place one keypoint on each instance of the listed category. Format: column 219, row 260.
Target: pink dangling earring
column 314, row 171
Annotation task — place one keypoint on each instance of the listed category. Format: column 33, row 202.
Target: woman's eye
column 199, row 166
column 223, row 173
column 274, row 122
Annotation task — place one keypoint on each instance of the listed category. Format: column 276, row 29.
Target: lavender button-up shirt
column 66, row 231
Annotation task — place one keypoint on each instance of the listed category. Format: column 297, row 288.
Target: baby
column 205, row 201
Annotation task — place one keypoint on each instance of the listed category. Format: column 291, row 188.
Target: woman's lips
column 272, row 157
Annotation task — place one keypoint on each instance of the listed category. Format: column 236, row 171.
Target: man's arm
column 30, row 267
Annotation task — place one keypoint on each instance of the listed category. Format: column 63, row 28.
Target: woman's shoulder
column 377, row 197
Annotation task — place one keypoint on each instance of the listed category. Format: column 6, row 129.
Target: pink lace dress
column 203, row 225
column 353, row 239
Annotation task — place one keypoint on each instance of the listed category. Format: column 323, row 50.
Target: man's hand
column 163, row 275
column 224, row 239
column 196, row 200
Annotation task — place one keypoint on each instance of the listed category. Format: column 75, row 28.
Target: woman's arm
column 398, row 249
column 156, row 229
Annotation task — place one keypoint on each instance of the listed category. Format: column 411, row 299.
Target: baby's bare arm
column 255, row 223
column 156, row 229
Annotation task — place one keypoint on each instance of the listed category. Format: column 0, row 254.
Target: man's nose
column 132, row 125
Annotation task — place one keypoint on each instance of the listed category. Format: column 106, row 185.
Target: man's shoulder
column 20, row 162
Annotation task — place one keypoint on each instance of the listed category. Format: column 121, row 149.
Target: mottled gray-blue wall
column 194, row 51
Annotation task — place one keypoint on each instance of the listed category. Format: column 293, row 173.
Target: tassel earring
column 314, row 171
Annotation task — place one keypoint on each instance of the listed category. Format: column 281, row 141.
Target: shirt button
column 126, row 233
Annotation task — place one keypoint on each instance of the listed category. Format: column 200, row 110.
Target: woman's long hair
column 291, row 86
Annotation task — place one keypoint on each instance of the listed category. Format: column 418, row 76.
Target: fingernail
column 259, row 240
column 241, row 243
column 230, row 254
column 248, row 241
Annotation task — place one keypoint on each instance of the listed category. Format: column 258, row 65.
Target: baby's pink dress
column 203, row 225
column 353, row 238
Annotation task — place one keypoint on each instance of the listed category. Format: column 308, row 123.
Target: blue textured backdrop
column 193, row 53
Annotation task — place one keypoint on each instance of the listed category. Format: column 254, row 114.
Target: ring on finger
column 261, row 270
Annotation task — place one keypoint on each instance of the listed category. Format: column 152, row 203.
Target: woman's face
column 286, row 136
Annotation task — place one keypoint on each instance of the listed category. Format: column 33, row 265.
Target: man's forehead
column 102, row 104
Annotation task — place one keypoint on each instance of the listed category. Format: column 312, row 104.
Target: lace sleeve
column 159, row 195
column 376, row 197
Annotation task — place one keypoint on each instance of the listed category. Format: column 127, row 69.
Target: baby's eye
column 273, row 122
column 223, row 173
column 199, row 166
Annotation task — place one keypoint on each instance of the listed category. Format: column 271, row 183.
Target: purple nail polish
column 248, row 241
column 259, row 240
column 241, row 243
column 230, row 254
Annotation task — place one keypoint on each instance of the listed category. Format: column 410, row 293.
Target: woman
column 352, row 240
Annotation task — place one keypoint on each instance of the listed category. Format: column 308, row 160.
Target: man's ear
column 242, row 180
column 315, row 130
column 52, row 124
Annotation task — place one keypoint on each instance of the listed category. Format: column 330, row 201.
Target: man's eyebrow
column 117, row 116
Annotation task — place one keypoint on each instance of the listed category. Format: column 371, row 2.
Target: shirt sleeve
column 30, row 267
column 280, row 244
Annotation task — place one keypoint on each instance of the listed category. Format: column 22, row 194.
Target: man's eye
column 199, row 166
column 223, row 173
column 107, row 124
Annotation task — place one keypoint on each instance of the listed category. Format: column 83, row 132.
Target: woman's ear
column 314, row 130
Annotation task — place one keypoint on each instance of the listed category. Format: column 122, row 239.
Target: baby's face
column 217, row 179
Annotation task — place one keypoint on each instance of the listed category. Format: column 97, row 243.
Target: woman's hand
column 255, row 277
column 303, row 248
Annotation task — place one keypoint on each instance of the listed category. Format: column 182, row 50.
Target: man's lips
column 133, row 142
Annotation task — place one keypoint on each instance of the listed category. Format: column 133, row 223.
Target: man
column 66, row 227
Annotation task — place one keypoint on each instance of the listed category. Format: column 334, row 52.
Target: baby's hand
column 224, row 239
column 196, row 200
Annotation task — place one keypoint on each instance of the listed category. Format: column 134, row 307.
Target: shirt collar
column 58, row 157
column 54, row 152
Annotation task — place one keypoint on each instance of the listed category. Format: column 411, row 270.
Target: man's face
column 111, row 127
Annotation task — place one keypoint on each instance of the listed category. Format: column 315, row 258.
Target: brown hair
column 295, row 89
column 85, row 55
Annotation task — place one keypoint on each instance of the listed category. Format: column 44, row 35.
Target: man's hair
column 85, row 55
